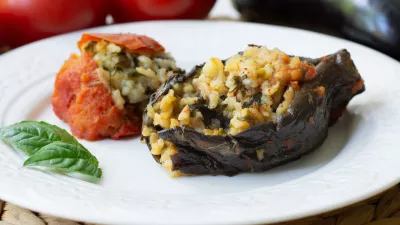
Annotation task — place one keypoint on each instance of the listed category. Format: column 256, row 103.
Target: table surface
column 383, row 209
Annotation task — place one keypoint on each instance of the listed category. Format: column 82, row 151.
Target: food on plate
column 51, row 148
column 254, row 111
column 102, row 92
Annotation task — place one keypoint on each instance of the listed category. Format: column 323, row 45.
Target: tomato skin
column 24, row 21
column 89, row 109
column 138, row 44
column 82, row 100
column 139, row 10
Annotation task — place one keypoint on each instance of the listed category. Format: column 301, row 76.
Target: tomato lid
column 135, row 43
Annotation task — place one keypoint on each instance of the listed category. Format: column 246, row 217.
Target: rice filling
column 131, row 78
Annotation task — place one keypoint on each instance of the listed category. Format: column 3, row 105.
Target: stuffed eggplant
column 254, row 111
column 102, row 92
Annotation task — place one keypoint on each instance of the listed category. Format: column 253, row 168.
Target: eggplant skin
column 370, row 22
column 297, row 132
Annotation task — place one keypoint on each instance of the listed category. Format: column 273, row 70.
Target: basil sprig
column 50, row 147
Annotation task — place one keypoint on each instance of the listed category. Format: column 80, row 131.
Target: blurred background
column 375, row 23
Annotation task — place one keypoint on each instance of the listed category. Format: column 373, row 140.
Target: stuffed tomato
column 101, row 93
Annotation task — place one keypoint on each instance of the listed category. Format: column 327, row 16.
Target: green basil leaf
column 30, row 136
column 66, row 158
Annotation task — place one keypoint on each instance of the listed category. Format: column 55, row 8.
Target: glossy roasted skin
column 84, row 102
column 300, row 130
column 371, row 22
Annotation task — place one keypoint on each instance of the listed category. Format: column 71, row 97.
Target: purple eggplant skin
column 374, row 23
column 297, row 132
column 305, row 14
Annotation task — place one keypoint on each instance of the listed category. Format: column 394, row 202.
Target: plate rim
column 261, row 219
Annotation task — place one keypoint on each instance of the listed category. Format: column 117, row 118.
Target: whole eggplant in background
column 375, row 23
column 372, row 22
column 307, row 14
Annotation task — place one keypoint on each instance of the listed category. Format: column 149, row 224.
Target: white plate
column 360, row 158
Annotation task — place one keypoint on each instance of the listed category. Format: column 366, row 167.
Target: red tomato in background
column 24, row 21
column 137, row 10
